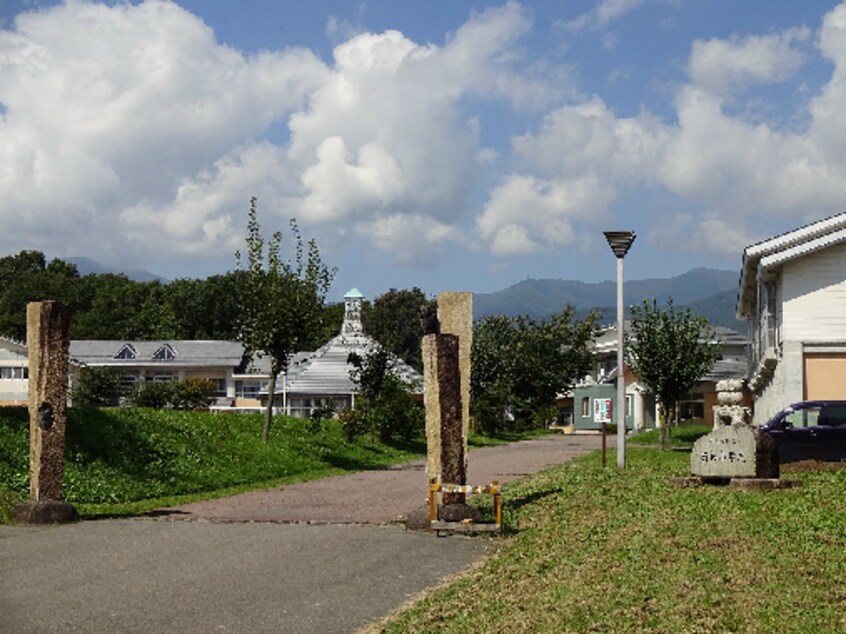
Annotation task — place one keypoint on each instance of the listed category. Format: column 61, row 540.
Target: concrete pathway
column 251, row 564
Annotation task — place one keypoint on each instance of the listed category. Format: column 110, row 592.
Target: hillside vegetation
column 135, row 459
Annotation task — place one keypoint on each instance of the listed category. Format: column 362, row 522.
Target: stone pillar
column 47, row 341
column 455, row 314
column 442, row 399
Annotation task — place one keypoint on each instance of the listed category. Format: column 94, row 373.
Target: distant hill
column 87, row 266
column 710, row 293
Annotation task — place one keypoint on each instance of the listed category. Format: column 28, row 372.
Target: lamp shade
column 619, row 241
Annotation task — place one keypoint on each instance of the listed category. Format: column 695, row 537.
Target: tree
column 521, row 364
column 384, row 406
column 281, row 301
column 97, row 387
column 669, row 350
column 394, row 321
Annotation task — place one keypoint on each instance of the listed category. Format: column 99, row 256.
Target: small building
column 793, row 296
column 322, row 379
column 171, row 360
column 597, row 392
column 14, row 372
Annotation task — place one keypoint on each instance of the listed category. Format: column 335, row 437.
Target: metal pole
column 621, row 374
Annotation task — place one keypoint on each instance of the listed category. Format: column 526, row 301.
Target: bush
column 96, row 387
column 188, row 394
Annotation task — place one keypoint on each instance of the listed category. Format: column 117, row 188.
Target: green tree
column 393, row 319
column 384, row 407
column 669, row 350
column 521, row 364
column 281, row 301
column 26, row 277
column 96, row 387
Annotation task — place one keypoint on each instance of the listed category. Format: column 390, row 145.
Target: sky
column 449, row 145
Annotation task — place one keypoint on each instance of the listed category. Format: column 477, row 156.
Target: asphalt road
column 265, row 570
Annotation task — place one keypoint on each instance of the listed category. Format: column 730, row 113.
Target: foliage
column 26, row 277
column 669, row 349
column 520, row 364
column 583, row 557
column 281, row 300
column 136, row 459
column 384, row 406
column 193, row 393
column 96, row 387
column 393, row 319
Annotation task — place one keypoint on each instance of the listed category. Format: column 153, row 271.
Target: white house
column 14, row 372
column 793, row 294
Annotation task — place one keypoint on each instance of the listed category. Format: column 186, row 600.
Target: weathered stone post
column 442, row 398
column 47, row 341
column 455, row 314
column 446, row 368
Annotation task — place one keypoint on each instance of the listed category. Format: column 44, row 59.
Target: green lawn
column 120, row 461
column 594, row 550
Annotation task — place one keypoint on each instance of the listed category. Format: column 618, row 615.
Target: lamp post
column 620, row 241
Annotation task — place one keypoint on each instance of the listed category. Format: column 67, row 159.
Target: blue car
column 809, row 430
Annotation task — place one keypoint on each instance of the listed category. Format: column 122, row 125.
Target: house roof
column 186, row 353
column 327, row 371
column 766, row 255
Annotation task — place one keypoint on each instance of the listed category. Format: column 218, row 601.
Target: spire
column 352, row 313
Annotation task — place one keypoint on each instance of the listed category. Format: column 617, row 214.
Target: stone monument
column 446, row 372
column 735, row 451
column 47, row 341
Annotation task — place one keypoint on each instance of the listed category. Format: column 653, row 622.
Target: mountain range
column 709, row 293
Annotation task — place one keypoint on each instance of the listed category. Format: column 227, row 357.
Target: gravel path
column 383, row 496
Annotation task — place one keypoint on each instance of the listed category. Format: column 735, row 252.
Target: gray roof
column 327, row 372
column 187, row 353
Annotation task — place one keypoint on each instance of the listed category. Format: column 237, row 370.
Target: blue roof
column 354, row 293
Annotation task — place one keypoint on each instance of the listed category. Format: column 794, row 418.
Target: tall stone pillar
column 455, row 314
column 47, row 341
column 442, row 398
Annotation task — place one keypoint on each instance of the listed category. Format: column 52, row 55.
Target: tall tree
column 281, row 300
column 393, row 319
column 521, row 364
column 669, row 350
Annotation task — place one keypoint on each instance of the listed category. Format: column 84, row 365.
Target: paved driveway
column 261, row 567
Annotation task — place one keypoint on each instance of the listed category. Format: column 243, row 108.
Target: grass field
column 124, row 461
column 594, row 550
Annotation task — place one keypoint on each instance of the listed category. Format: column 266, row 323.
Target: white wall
column 814, row 296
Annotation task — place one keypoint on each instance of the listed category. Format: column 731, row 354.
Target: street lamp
column 620, row 241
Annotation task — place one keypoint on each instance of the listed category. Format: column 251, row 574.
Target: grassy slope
column 132, row 460
column 598, row 551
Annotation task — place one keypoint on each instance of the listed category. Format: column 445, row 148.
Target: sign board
column 602, row 410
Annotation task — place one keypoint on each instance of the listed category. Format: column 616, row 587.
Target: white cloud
column 605, row 12
column 149, row 135
column 110, row 108
column 740, row 173
column 720, row 66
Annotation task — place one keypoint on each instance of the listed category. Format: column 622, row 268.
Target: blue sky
column 445, row 145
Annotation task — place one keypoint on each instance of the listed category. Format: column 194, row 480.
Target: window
column 160, row 377
column 249, row 388
column 629, row 405
column 219, row 387
column 585, row 407
column 14, row 373
column 127, row 352
column 165, row 353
